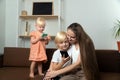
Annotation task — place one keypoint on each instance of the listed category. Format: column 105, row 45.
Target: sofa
column 14, row 64
column 109, row 64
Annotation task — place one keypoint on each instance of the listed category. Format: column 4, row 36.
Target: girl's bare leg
column 40, row 68
column 32, row 67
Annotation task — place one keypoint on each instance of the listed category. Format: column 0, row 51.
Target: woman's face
column 71, row 36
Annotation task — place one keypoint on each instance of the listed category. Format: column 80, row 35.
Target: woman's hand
column 50, row 74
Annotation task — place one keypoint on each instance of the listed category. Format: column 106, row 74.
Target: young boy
column 62, row 56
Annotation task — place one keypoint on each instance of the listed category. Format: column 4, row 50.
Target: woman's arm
column 52, row 74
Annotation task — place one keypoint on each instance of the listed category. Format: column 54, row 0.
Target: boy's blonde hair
column 60, row 37
column 40, row 21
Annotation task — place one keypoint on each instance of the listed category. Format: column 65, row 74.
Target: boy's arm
column 57, row 66
column 69, row 68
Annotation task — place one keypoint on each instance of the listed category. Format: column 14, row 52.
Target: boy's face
column 64, row 45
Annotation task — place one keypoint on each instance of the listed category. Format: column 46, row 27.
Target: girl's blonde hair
column 60, row 37
column 40, row 21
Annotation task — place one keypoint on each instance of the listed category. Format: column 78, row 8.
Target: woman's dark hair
column 87, row 52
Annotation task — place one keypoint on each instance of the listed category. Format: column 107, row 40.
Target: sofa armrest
column 1, row 60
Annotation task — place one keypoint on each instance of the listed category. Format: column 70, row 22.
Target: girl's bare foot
column 31, row 75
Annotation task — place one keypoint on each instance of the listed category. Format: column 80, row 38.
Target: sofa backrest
column 19, row 57
column 108, row 60
column 14, row 56
column 49, row 52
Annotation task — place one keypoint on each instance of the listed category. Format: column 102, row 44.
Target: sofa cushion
column 109, row 76
column 14, row 73
column 14, row 56
column 49, row 53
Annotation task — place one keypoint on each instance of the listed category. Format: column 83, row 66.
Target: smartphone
column 44, row 35
column 64, row 53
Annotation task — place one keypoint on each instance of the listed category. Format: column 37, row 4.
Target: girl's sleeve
column 31, row 34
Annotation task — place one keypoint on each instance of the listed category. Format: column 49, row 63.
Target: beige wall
column 2, row 25
column 96, row 16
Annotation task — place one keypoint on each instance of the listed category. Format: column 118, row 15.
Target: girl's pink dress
column 37, row 50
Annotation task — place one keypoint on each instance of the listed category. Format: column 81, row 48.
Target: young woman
column 84, row 51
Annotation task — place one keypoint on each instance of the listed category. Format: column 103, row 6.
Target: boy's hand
column 64, row 60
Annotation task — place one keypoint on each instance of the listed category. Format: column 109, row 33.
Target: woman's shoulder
column 70, row 49
column 72, row 46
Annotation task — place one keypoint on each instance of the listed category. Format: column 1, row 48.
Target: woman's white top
column 75, row 53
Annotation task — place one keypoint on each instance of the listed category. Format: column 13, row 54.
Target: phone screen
column 64, row 53
column 44, row 35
